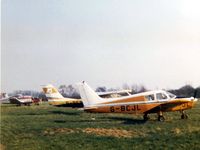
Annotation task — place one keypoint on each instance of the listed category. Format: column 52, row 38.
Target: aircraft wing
column 110, row 93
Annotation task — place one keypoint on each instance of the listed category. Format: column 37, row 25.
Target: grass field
column 47, row 127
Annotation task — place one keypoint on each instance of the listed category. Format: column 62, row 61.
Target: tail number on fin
column 124, row 108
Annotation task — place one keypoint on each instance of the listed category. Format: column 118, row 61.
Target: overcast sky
column 104, row 42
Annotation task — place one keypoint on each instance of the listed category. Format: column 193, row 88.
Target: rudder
column 88, row 95
column 51, row 92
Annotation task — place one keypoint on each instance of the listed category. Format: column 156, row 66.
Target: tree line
column 184, row 91
column 72, row 92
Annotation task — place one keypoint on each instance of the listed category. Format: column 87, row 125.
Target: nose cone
column 194, row 101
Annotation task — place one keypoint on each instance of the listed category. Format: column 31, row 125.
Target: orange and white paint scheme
column 158, row 101
column 56, row 99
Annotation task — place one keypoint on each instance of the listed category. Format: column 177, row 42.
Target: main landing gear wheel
column 146, row 117
column 184, row 115
column 161, row 118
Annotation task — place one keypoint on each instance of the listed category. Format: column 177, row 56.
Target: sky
column 105, row 43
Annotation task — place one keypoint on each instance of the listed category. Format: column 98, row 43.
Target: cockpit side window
column 150, row 97
column 161, row 96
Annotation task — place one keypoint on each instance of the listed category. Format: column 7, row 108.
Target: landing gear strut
column 161, row 117
column 184, row 115
column 146, row 117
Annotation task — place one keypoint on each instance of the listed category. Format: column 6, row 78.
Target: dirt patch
column 2, row 147
column 192, row 129
column 58, row 130
column 114, row 132
column 158, row 129
column 111, row 132
column 176, row 131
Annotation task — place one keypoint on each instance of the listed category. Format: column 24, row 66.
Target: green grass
column 47, row 127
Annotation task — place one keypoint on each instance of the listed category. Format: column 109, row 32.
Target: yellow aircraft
column 56, row 99
column 143, row 103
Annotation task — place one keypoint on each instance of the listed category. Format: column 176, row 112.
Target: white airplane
column 23, row 100
column 143, row 103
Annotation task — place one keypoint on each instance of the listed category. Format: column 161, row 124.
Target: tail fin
column 51, row 92
column 88, row 96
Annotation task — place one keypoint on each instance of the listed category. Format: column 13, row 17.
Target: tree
column 184, row 91
column 138, row 88
column 125, row 86
column 101, row 89
column 69, row 91
column 197, row 92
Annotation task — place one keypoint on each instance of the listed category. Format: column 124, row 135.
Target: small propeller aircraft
column 143, row 103
column 24, row 100
column 56, row 99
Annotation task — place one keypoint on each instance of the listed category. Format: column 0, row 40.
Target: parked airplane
column 143, row 103
column 23, row 100
column 56, row 99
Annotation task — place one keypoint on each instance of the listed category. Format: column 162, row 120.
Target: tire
column 184, row 116
column 146, row 117
column 161, row 118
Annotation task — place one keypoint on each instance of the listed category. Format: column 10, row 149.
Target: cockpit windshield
column 171, row 95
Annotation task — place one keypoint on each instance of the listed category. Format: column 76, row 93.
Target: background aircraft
column 143, row 103
column 24, row 100
column 55, row 98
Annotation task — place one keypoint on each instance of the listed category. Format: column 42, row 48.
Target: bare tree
column 138, row 88
column 125, row 86
column 69, row 91
column 101, row 89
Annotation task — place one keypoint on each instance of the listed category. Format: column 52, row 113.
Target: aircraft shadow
column 128, row 120
column 59, row 121
column 64, row 113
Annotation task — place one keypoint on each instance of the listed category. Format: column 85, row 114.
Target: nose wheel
column 146, row 117
column 161, row 118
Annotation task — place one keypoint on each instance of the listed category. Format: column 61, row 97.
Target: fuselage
column 65, row 102
column 21, row 100
column 147, row 102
